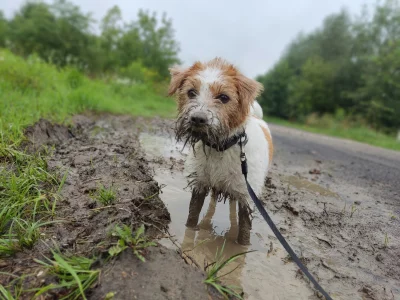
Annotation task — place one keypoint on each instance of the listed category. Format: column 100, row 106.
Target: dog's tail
column 255, row 109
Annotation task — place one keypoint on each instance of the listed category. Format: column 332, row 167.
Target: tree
column 378, row 97
column 274, row 99
column 3, row 30
column 348, row 65
column 58, row 33
column 313, row 90
column 111, row 31
column 62, row 34
column 34, row 29
column 150, row 41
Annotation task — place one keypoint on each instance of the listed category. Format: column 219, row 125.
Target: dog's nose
column 198, row 118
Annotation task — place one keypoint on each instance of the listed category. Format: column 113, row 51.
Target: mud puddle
column 329, row 223
column 264, row 274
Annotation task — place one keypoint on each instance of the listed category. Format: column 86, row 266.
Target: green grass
column 28, row 194
column 29, row 90
column 106, row 196
column 73, row 273
column 213, row 277
column 357, row 133
column 126, row 239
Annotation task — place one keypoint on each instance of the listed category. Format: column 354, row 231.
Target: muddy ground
column 337, row 202
column 104, row 151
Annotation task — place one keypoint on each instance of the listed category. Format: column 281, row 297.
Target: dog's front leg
column 196, row 204
column 244, row 224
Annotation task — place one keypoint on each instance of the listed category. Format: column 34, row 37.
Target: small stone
column 164, row 289
column 3, row 264
column 357, row 202
column 91, row 204
column 379, row 257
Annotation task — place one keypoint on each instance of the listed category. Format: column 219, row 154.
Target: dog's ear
column 248, row 90
column 178, row 75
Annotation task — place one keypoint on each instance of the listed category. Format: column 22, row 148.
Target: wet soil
column 337, row 203
column 105, row 151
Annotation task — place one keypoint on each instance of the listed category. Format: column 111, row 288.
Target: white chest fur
column 222, row 170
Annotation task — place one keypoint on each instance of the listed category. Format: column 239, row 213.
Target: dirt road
column 337, row 202
column 358, row 230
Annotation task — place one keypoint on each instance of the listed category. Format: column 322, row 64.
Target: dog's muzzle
column 198, row 120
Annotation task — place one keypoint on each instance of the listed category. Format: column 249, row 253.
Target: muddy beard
column 184, row 133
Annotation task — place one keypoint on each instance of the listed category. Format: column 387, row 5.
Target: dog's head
column 214, row 100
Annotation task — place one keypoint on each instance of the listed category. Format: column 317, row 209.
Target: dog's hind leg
column 195, row 206
column 244, row 224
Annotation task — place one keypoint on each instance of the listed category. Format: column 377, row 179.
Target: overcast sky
column 251, row 34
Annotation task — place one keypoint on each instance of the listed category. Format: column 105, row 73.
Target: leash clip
column 243, row 157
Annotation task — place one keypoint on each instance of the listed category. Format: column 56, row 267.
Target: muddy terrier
column 217, row 115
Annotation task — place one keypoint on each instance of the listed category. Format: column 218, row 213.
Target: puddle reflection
column 203, row 244
column 260, row 274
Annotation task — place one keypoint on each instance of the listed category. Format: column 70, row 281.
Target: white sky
column 252, row 34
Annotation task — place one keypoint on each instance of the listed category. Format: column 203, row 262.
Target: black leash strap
column 275, row 230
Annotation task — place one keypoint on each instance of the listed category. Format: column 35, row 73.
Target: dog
column 217, row 117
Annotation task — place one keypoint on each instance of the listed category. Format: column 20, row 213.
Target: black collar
column 242, row 137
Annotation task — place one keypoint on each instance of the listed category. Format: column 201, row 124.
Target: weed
column 106, row 196
column 115, row 160
column 5, row 294
column 15, row 288
column 8, row 246
column 109, row 296
column 344, row 209
column 353, row 210
column 73, row 273
column 386, row 241
column 137, row 242
column 25, row 233
column 213, row 269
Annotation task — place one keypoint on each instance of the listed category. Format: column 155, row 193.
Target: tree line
column 347, row 68
column 350, row 67
column 62, row 34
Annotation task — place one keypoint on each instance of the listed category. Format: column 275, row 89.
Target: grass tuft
column 214, row 268
column 106, row 196
column 28, row 193
column 137, row 242
column 73, row 274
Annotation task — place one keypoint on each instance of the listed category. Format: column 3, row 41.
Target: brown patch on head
column 269, row 141
column 178, row 77
column 242, row 91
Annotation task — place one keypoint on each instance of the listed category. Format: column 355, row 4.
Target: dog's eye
column 224, row 98
column 192, row 94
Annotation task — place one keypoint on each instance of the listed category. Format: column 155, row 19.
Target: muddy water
column 263, row 274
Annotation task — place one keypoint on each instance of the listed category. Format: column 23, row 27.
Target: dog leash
column 274, row 229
